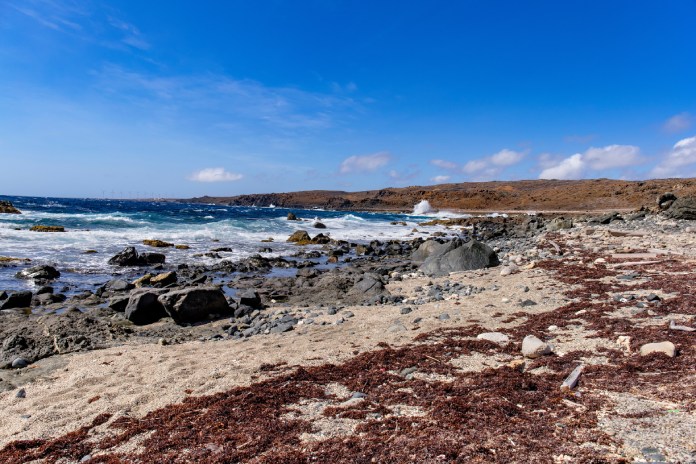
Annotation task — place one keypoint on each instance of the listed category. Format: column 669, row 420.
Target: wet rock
column 458, row 256
column 319, row 225
column 3, row 295
column 17, row 300
column 194, row 304
column 164, row 279
column 533, row 348
column 119, row 304
column 667, row 348
column 47, row 229
column 152, row 258
column 144, row 308
column 39, row 273
column 300, row 236
column 495, row 337
column 7, row 207
column 44, row 289
column 127, row 257
column 157, row 243
column 292, row 217
column 118, row 285
column 321, row 239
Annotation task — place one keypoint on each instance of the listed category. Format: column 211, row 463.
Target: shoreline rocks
column 6, row 207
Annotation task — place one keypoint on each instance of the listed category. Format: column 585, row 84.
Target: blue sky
column 180, row 98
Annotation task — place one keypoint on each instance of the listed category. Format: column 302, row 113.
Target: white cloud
column 507, row 157
column 680, row 161
column 593, row 159
column 570, row 168
column 444, row 164
column 678, row 123
column 491, row 166
column 364, row 163
column 214, row 175
column 440, row 179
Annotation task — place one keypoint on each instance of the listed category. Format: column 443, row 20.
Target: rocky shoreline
column 598, row 279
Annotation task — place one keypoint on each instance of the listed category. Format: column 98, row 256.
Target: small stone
column 417, row 320
column 397, row 327
column 667, row 348
column 551, row 328
column 505, row 300
column 533, row 348
column 21, row 393
column 526, row 303
column 495, row 337
column 624, row 341
column 407, row 371
column 406, row 310
column 163, row 342
column 652, row 297
column 358, row 395
column 443, row 316
column 507, row 270
column 19, row 363
column 348, row 314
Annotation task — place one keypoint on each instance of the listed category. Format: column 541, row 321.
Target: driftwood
column 572, row 380
column 555, row 245
column 673, row 326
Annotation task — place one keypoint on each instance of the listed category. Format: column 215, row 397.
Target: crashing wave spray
column 423, row 207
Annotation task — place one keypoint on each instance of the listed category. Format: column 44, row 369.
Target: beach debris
column 673, row 326
column 533, row 347
column 572, row 380
column 667, row 348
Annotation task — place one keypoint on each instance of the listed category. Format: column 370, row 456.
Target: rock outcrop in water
column 7, row 207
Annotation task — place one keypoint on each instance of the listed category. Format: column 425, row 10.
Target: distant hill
column 523, row 195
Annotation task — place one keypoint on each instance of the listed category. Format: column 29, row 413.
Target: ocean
column 107, row 226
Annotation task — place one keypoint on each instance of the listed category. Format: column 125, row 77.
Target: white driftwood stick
column 572, row 380
column 674, row 326
column 555, row 245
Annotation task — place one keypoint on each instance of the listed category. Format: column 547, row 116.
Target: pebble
column 348, row 314
column 408, row 371
column 417, row 320
column 397, row 327
column 19, row 363
column 532, row 347
column 406, row 310
column 358, row 395
column 21, row 393
column 667, row 348
column 443, row 316
column 495, row 337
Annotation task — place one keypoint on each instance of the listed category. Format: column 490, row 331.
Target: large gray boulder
column 426, row 249
column 17, row 300
column 194, row 304
column 144, row 308
column 127, row 257
column 682, row 208
column 458, row 256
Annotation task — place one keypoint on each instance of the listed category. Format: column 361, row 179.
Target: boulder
column 157, row 243
column 533, row 348
column 683, row 208
column 319, row 225
column 321, row 239
column 458, row 256
column 426, row 249
column 250, row 298
column 369, row 284
column 667, row 348
column 152, row 258
column 17, row 300
column 666, row 200
column 127, row 257
column 7, row 207
column 194, row 304
column 559, row 223
column 164, row 279
column 118, row 285
column 606, row 218
column 292, row 217
column 144, row 308
column 47, row 229
column 300, row 236
column 38, row 273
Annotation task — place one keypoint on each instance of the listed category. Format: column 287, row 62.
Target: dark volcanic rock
column 683, row 208
column 459, row 256
column 300, row 236
column 666, row 200
column 8, row 208
column 152, row 258
column 127, row 257
column 194, row 304
column 250, row 298
column 426, row 249
column 17, row 300
column 39, row 273
column 144, row 308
